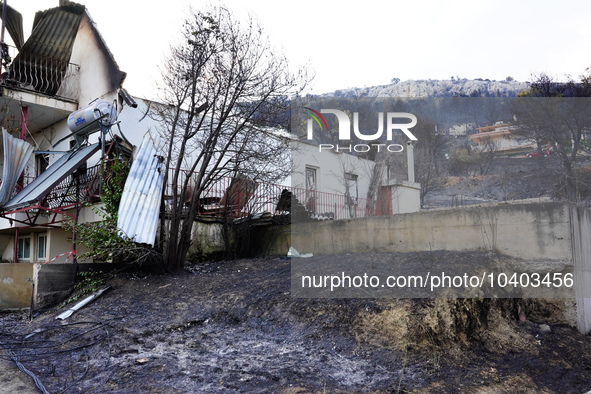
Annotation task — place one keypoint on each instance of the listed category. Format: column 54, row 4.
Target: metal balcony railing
column 259, row 197
column 236, row 197
column 86, row 182
column 41, row 74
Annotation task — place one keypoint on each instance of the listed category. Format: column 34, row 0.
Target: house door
column 385, row 201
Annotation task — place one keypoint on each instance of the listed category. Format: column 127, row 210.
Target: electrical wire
column 19, row 348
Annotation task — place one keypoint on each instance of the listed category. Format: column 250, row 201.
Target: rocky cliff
column 438, row 88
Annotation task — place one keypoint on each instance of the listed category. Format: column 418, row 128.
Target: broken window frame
column 23, row 245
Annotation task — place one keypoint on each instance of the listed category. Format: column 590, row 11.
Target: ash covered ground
column 233, row 326
column 508, row 179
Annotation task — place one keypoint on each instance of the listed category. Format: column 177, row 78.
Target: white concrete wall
column 551, row 234
column 406, row 197
column 134, row 122
column 581, row 249
column 330, row 169
column 98, row 76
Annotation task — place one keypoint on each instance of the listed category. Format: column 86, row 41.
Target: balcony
column 40, row 75
column 226, row 197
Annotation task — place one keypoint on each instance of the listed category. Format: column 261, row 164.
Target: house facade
column 344, row 186
column 332, row 183
column 61, row 68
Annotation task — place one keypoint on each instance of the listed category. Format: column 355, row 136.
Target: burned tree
column 558, row 115
column 429, row 162
column 225, row 90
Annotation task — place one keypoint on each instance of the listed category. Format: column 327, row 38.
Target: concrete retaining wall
column 581, row 252
column 16, row 285
column 529, row 231
column 53, row 282
column 207, row 241
column 552, row 232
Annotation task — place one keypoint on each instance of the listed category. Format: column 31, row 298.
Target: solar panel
column 36, row 191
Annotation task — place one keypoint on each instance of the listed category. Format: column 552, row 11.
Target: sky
column 365, row 44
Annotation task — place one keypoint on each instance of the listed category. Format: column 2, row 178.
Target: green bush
column 103, row 237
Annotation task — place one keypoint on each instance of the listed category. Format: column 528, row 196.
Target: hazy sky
column 367, row 44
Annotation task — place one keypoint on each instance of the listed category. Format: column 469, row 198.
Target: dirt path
column 12, row 380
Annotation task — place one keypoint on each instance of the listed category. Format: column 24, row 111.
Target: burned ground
column 234, row 327
column 511, row 178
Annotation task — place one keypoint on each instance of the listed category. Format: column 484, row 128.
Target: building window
column 311, row 187
column 23, row 250
column 42, row 247
column 351, row 186
column 310, row 178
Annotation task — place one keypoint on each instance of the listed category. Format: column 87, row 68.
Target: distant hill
column 437, row 88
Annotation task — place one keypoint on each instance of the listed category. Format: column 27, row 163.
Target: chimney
column 410, row 158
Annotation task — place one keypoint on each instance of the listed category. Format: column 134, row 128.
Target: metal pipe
column 76, row 220
column 4, row 5
column 411, row 161
column 16, row 244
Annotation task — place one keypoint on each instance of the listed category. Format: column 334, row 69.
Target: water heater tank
column 91, row 113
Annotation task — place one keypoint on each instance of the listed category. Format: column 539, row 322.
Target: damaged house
column 63, row 67
column 61, row 94
column 65, row 115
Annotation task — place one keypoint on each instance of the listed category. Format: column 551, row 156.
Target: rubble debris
column 292, row 252
column 81, row 304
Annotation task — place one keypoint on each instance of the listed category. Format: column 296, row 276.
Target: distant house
column 501, row 137
column 460, row 129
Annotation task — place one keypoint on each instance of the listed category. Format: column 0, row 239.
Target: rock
column 545, row 328
column 437, row 88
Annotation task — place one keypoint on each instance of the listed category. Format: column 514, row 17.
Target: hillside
column 509, row 179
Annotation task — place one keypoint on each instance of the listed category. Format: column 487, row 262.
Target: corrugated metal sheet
column 43, row 60
column 140, row 203
column 16, row 155
column 54, row 32
column 36, row 191
column 14, row 25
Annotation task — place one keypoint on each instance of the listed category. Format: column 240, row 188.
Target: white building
column 63, row 66
column 330, row 182
column 347, row 186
